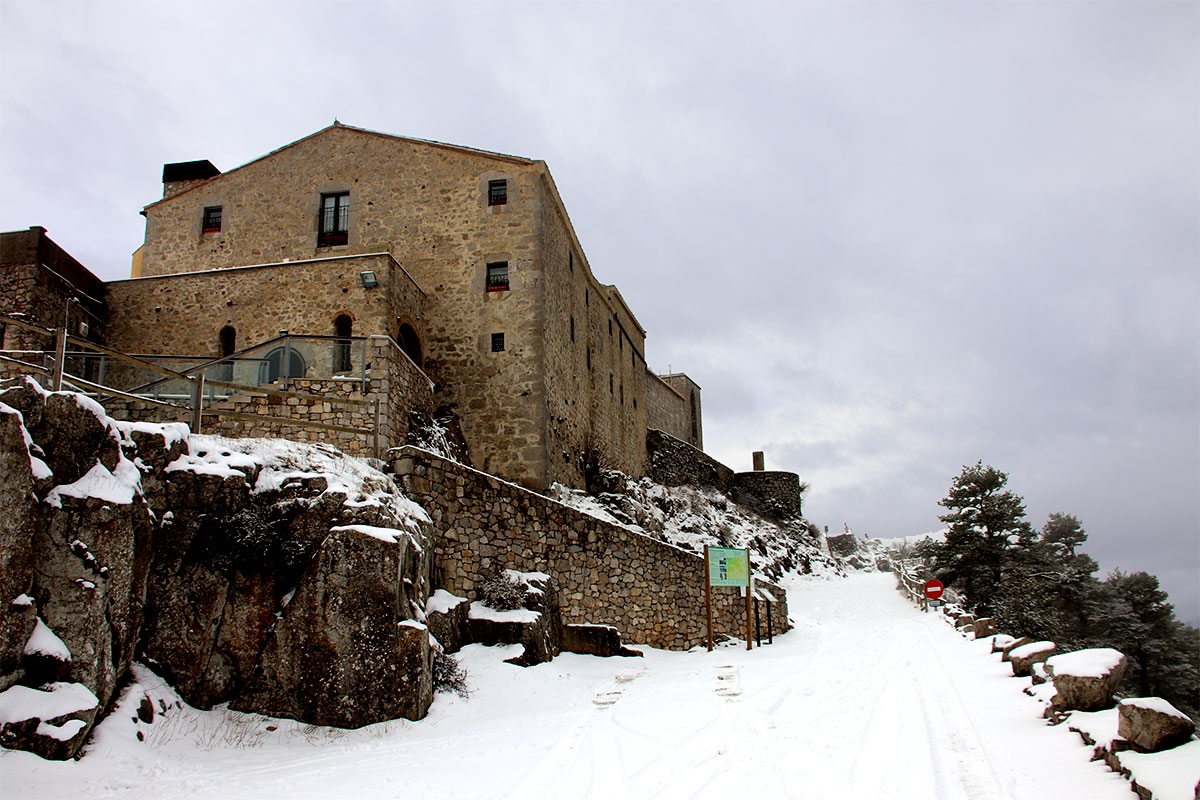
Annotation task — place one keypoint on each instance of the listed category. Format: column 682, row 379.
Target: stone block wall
column 184, row 314
column 651, row 591
column 772, row 493
column 40, row 280
column 673, row 462
column 673, row 406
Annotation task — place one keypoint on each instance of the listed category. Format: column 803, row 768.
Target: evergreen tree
column 984, row 521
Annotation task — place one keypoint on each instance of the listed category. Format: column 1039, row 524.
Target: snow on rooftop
column 45, row 642
column 1092, row 663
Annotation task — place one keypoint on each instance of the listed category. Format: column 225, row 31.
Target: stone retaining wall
column 673, row 462
column 773, row 494
column 651, row 591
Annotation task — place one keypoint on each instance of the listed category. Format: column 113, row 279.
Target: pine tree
column 984, row 521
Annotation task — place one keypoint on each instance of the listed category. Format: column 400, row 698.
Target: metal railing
column 196, row 384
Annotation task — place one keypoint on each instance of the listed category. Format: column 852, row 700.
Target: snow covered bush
column 449, row 675
column 502, row 591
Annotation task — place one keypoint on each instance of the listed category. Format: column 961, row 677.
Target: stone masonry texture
column 652, row 592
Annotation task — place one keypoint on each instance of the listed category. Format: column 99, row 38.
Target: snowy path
column 866, row 698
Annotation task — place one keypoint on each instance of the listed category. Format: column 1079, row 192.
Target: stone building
column 462, row 262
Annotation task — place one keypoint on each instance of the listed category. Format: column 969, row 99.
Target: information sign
column 728, row 566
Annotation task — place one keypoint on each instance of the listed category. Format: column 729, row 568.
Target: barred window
column 497, row 342
column 212, row 220
column 334, row 224
column 498, row 193
column 497, row 276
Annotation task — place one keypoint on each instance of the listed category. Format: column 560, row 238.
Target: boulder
column 17, row 523
column 446, row 616
column 346, row 651
column 595, row 640
column 1013, row 645
column 1001, row 641
column 1085, row 680
column 1151, row 724
column 1038, row 673
column 984, row 627
column 1024, row 657
column 52, row 721
column 964, row 619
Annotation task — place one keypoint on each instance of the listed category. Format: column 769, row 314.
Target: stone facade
column 42, row 283
column 674, row 407
column 539, row 359
column 652, row 592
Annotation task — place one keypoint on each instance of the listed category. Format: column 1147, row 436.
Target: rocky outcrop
column 285, row 579
column 596, row 640
column 1151, row 724
column 985, row 627
column 1085, row 680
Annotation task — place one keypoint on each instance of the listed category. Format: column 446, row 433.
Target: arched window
column 410, row 343
column 273, row 368
column 228, row 337
column 342, row 327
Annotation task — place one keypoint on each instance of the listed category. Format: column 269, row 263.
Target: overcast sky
column 887, row 239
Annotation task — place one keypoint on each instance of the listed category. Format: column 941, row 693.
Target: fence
column 198, row 389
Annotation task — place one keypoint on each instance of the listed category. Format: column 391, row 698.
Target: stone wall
column 673, row 403
column 651, row 591
column 772, row 493
column 673, row 462
column 42, row 282
column 527, row 409
column 184, row 314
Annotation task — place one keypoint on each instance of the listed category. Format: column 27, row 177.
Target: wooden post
column 749, row 587
column 708, row 600
column 197, row 403
column 769, row 639
column 757, row 626
column 60, row 360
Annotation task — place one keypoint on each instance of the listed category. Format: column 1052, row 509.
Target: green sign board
column 728, row 566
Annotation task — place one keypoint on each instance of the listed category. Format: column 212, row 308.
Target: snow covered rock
column 962, row 620
column 595, row 640
column 446, row 615
column 17, row 613
column 346, row 651
column 1085, row 680
column 985, row 627
column 52, row 721
column 535, row 623
column 1152, row 724
column 1006, row 651
column 1024, row 657
column 1001, row 641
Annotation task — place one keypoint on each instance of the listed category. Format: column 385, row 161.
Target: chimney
column 183, row 175
column 759, row 463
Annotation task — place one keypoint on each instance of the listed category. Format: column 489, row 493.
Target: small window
column 610, row 326
column 212, row 220
column 497, row 342
column 572, row 330
column 571, row 259
column 497, row 276
column 587, row 297
column 498, row 193
column 610, row 383
column 334, row 224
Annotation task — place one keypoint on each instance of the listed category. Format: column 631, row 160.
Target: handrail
column 57, row 373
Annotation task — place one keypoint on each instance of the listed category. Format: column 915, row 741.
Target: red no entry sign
column 934, row 589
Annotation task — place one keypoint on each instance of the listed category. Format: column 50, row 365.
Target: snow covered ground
column 866, row 698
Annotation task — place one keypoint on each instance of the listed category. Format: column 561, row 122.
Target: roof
column 339, row 126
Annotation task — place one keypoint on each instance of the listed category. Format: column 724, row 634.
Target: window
column 572, row 330
column 498, row 193
column 282, row 362
column 228, row 337
column 610, row 383
column 571, row 259
column 497, row 276
column 497, row 342
column 610, row 326
column 334, row 225
column 212, row 220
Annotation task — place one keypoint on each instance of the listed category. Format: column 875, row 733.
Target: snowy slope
column 866, row 698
